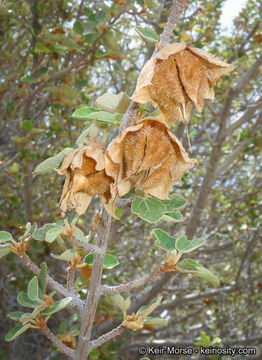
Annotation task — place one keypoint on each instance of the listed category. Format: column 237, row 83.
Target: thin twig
column 70, row 278
column 66, row 350
column 78, row 303
column 106, row 337
column 85, row 245
column 111, row 290
column 87, row 318
column 171, row 22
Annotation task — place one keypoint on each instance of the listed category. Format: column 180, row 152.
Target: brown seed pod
column 149, row 157
column 85, row 177
column 177, row 78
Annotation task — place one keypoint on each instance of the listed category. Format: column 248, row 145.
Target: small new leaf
column 57, row 306
column 39, row 234
column 82, row 113
column 149, row 320
column 52, row 163
column 67, row 255
column 184, row 245
column 52, row 234
column 109, row 261
column 173, row 217
column 4, row 250
column 15, row 332
column 23, row 300
column 120, row 302
column 33, row 289
column 5, row 236
column 164, row 240
column 88, row 133
column 144, row 311
column 207, row 275
column 191, row 266
column 147, row 33
column 15, row 315
column 104, row 116
column 42, row 277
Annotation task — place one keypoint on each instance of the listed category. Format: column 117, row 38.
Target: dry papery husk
column 177, row 78
column 85, row 173
column 147, row 156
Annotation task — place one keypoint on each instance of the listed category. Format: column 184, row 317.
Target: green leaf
column 29, row 78
column 144, row 311
column 118, row 212
column 52, row 234
column 104, row 116
column 40, row 233
column 113, row 103
column 100, row 53
column 27, row 125
column 119, row 301
column 52, row 163
column 4, row 250
column 207, row 275
column 187, row 265
column 15, row 332
column 33, row 289
column 79, row 235
column 58, row 48
column 109, row 261
column 149, row 320
column 89, row 259
column 147, row 33
column 5, row 236
column 41, row 48
column 57, row 306
column 184, row 245
column 14, row 168
column 90, row 38
column 173, row 217
column 23, row 300
column 191, row 266
column 77, row 27
column 175, row 202
column 15, row 315
column 67, row 255
column 149, row 209
column 164, row 240
column 42, row 277
column 88, row 133
column 82, row 113
column 26, row 317
column 63, row 327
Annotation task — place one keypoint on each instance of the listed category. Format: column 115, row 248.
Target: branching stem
column 78, row 303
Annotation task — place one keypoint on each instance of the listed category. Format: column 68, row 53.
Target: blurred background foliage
column 57, row 56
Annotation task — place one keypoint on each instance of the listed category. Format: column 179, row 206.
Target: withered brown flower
column 86, row 176
column 177, row 78
column 147, row 156
column 69, row 340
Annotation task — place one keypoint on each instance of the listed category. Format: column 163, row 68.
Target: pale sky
column 230, row 10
